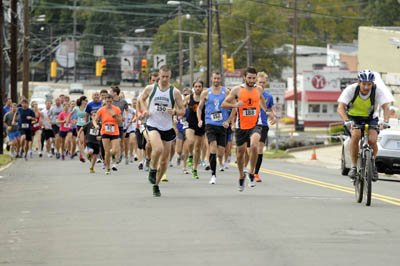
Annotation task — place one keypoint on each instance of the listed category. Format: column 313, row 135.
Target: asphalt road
column 56, row 213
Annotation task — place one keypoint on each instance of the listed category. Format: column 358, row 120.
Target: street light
column 209, row 35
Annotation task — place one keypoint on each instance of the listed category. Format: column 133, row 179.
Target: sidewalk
column 326, row 156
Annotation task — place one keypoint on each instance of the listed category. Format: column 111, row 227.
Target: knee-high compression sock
column 213, row 163
column 258, row 164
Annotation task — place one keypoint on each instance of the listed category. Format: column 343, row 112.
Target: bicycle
column 365, row 164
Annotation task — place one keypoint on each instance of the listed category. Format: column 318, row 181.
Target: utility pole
column 209, row 42
column 25, row 72
column 191, row 60
column 14, row 51
column 1, row 73
column 74, row 37
column 180, row 45
column 220, row 48
column 296, row 119
column 249, row 47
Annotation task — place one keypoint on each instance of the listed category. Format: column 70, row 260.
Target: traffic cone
column 314, row 154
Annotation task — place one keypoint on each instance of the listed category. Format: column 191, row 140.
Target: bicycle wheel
column 359, row 182
column 368, row 177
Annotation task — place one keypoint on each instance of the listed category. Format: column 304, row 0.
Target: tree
column 383, row 13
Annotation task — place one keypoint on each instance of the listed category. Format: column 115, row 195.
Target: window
column 335, row 107
column 324, row 108
column 314, row 108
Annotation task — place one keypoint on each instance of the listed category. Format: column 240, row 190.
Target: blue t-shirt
column 93, row 107
column 270, row 102
column 215, row 115
column 6, row 109
column 24, row 123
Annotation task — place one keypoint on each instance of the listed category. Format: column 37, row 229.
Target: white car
column 388, row 158
column 76, row 88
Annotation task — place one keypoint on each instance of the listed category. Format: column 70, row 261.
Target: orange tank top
column 249, row 111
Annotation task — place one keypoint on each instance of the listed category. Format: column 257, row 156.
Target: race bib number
column 161, row 108
column 93, row 132
column 216, row 116
column 185, row 124
column 109, row 128
column 25, row 125
column 249, row 112
column 67, row 125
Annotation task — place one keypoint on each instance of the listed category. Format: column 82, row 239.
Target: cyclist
column 358, row 106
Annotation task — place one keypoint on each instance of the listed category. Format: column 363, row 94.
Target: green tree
column 383, row 12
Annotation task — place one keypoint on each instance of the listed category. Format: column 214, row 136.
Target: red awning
column 314, row 96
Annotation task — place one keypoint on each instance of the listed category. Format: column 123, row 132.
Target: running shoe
column 30, row 154
column 91, row 170
column 63, row 157
column 194, row 174
column 252, row 183
column 164, row 178
column 213, row 180
column 208, row 168
column 82, row 159
column 156, row 191
column 185, row 171
column 257, row 178
column 108, row 172
column 58, row 155
column 221, row 168
column 135, row 158
column 99, row 160
column 40, row 154
column 114, row 167
column 178, row 161
column 140, row 166
column 202, row 163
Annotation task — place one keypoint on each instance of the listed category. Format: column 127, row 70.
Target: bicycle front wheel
column 368, row 177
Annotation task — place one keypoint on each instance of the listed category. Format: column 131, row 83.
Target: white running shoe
column 252, row 183
column 221, row 168
column 213, row 180
column 114, row 167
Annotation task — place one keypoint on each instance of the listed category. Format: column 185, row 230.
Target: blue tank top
column 215, row 115
column 263, row 119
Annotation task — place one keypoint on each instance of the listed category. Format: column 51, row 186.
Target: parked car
column 388, row 158
column 42, row 92
column 76, row 88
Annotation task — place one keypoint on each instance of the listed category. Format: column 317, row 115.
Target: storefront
column 317, row 94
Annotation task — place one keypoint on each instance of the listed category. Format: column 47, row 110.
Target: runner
column 164, row 102
column 194, row 133
column 47, row 130
column 53, row 114
column 129, row 127
column 216, row 120
column 26, row 118
column 81, row 114
column 64, row 119
column 110, row 117
column 262, row 81
column 93, row 141
column 11, row 119
column 122, row 104
column 247, row 98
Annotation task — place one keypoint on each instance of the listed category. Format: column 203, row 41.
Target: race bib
column 109, row 128
column 185, row 124
column 93, row 132
column 161, row 108
column 216, row 116
column 249, row 112
column 25, row 125
column 67, row 125
column 36, row 125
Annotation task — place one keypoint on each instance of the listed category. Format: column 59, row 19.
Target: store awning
column 314, row 96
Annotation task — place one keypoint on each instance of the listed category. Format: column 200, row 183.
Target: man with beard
column 247, row 99
column 216, row 120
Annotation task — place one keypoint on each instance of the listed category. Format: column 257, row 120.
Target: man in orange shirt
column 246, row 99
column 110, row 117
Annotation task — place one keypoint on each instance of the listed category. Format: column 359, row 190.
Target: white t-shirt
column 382, row 96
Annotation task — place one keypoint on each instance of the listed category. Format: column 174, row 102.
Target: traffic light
column 53, row 69
column 98, row 68
column 225, row 58
column 103, row 64
column 230, row 64
column 144, row 65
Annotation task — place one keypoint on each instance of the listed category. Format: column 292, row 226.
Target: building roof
column 301, row 50
column 347, row 48
column 314, row 96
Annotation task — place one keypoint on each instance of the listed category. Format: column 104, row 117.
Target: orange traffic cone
column 314, row 154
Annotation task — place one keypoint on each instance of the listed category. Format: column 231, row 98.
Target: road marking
column 387, row 199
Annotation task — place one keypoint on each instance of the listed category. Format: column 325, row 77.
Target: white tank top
column 159, row 101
